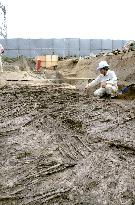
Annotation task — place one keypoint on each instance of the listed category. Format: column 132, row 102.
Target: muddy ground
column 60, row 147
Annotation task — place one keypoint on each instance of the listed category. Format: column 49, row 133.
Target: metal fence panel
column 60, row 47
column 106, row 45
column 41, row 46
column 95, row 44
column 72, row 46
column 95, row 51
column 12, row 45
column 85, row 47
column 23, row 47
column 11, row 53
column 118, row 44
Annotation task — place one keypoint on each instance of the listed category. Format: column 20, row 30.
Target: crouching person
column 1, row 51
column 107, row 80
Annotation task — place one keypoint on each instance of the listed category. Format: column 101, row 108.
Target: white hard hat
column 102, row 64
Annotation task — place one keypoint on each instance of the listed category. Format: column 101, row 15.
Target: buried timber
column 60, row 147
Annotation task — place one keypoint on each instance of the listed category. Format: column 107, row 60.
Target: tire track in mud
column 45, row 136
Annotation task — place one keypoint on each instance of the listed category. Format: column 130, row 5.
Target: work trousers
column 109, row 89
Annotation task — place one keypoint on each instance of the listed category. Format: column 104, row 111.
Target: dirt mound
column 18, row 64
column 129, row 46
column 123, row 64
column 60, row 147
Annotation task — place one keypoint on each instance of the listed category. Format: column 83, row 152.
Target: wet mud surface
column 59, row 147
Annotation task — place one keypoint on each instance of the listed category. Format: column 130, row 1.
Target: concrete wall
column 61, row 47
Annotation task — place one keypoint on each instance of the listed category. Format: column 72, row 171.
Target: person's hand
column 87, row 89
column 87, row 86
column 103, row 84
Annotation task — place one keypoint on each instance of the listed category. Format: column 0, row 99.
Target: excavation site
column 61, row 146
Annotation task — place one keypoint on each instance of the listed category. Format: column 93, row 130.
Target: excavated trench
column 59, row 147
